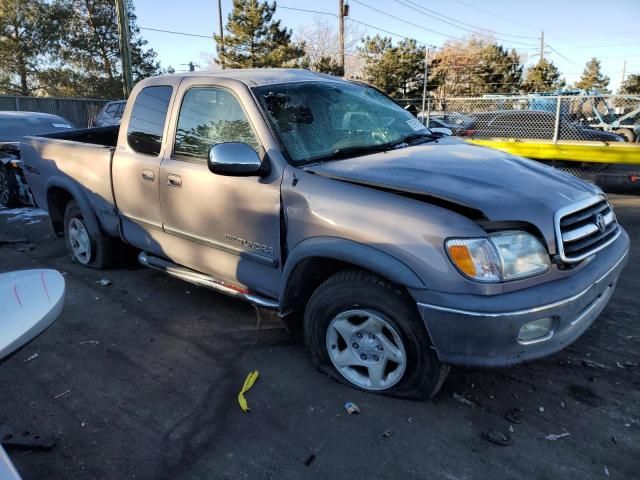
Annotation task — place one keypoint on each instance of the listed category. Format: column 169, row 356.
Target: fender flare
column 364, row 256
column 76, row 192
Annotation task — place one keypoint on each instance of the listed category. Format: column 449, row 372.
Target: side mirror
column 235, row 159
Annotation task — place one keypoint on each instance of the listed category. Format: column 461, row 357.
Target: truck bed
column 80, row 158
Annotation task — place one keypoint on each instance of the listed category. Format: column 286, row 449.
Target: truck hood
column 501, row 186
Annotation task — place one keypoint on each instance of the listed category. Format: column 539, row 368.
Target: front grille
column 585, row 228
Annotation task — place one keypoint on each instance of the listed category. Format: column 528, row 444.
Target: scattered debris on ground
column 25, row 440
column 87, row 342
column 351, row 408
column 497, row 437
column 31, row 357
column 310, row 459
column 248, row 383
column 61, row 394
column 592, row 364
column 556, row 436
column 387, row 433
column 463, row 399
column 104, row 282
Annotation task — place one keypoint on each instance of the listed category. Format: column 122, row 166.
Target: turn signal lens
column 502, row 256
column 475, row 257
column 462, row 258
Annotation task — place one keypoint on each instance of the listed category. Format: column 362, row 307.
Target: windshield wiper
column 412, row 137
column 350, row 152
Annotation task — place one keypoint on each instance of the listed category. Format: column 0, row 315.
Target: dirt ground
column 153, row 366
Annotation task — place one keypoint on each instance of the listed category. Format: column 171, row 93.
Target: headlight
column 499, row 257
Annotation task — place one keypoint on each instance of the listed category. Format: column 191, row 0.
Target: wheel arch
column 314, row 260
column 59, row 194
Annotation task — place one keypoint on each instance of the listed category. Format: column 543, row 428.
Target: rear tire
column 366, row 333
column 8, row 188
column 627, row 133
column 84, row 247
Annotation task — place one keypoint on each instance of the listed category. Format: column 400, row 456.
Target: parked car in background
column 395, row 251
column 534, row 124
column 459, row 124
column 110, row 114
column 14, row 126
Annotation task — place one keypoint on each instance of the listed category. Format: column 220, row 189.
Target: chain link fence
column 78, row 111
column 544, row 118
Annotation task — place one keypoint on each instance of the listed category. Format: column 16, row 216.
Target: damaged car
column 394, row 251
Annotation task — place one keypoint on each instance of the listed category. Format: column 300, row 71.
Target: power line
column 610, row 45
column 185, row 34
column 424, row 28
column 308, row 11
column 496, row 15
column 433, row 14
column 402, row 20
column 560, row 55
column 387, row 31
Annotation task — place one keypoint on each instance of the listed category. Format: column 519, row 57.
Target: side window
column 120, row 110
column 111, row 109
column 146, row 123
column 209, row 116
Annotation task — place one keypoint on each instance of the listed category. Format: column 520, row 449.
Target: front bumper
column 485, row 336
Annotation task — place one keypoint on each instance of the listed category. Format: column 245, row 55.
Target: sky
column 574, row 30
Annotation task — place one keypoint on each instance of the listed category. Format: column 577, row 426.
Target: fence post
column 556, row 127
column 428, row 111
column 17, row 103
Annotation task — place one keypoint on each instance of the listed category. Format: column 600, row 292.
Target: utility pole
column 424, row 86
column 624, row 71
column 541, row 45
column 125, row 47
column 341, row 11
column 221, row 51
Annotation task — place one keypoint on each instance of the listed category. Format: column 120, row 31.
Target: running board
column 203, row 280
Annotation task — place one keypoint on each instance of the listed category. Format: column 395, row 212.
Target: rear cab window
column 148, row 118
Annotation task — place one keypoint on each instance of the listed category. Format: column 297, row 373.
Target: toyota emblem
column 600, row 223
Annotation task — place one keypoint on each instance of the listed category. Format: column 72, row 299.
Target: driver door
column 225, row 226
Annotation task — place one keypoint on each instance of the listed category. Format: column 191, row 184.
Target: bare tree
column 321, row 40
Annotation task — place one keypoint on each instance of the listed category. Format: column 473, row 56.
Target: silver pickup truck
column 395, row 250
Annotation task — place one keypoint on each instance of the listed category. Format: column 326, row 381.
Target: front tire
column 85, row 247
column 366, row 332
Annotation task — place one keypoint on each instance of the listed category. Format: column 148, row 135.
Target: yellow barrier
column 622, row 153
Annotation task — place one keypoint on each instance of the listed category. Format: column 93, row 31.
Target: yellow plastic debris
column 248, row 383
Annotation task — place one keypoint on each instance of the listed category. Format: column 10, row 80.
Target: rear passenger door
column 136, row 165
column 226, row 226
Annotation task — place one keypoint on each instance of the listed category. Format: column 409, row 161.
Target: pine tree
column 255, row 40
column 89, row 51
column 26, row 33
column 592, row 78
column 396, row 70
column 380, row 63
column 542, row 77
column 631, row 85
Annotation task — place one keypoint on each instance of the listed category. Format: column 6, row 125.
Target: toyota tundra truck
column 398, row 252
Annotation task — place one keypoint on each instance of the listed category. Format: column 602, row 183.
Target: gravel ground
column 153, row 367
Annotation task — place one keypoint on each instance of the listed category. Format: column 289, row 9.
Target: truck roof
column 253, row 77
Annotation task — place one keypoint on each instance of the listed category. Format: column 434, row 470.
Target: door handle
column 174, row 180
column 148, row 175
